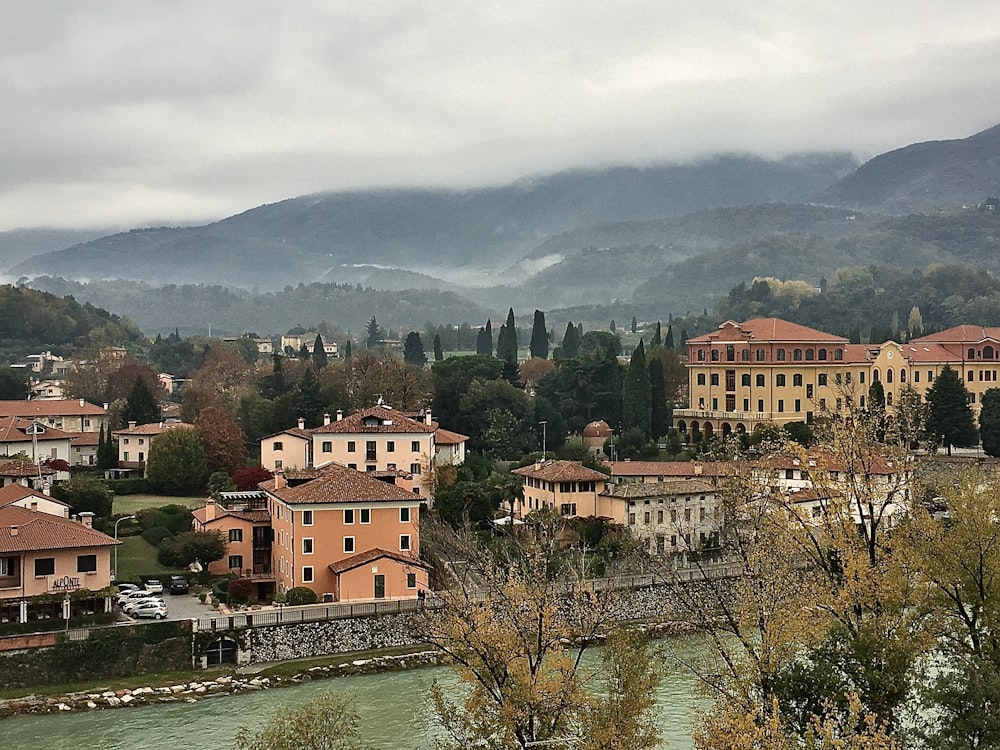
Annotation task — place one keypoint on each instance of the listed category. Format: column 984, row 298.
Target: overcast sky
column 142, row 113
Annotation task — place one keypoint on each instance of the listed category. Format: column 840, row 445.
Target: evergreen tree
column 507, row 339
column 140, row 406
column 374, row 335
column 319, row 356
column 989, row 422
column 107, row 455
column 635, row 323
column 571, row 342
column 657, row 341
column 348, row 350
column 669, row 343
column 304, row 352
column 659, row 415
column 949, row 416
column 308, row 399
column 684, row 338
column 636, row 394
column 511, row 372
column 539, row 345
column 614, row 328
column 488, row 340
column 177, row 462
column 413, row 350
column 438, row 352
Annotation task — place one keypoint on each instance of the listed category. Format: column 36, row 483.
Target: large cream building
column 770, row 370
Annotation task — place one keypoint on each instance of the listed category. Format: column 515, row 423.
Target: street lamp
column 543, row 423
column 118, row 521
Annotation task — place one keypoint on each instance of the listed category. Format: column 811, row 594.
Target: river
column 394, row 707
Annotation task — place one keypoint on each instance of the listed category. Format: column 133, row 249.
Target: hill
column 924, row 176
column 448, row 234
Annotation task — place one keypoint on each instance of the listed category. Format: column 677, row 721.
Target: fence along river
column 394, row 707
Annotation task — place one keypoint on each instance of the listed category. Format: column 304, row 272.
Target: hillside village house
column 46, row 553
column 567, row 487
column 243, row 519
column 37, row 441
column 26, row 474
column 377, row 439
column 345, row 534
column 135, row 441
column 71, row 415
column 768, row 370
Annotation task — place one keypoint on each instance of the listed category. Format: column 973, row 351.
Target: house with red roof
column 36, row 440
column 70, row 415
column 346, row 534
column 567, row 487
column 135, row 441
column 245, row 522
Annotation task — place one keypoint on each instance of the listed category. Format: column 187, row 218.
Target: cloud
column 148, row 112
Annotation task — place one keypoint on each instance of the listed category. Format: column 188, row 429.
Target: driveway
column 181, row 607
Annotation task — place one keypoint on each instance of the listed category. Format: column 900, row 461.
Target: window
column 411, row 580
column 352, row 466
column 760, row 380
column 307, row 518
column 307, row 546
column 236, row 535
column 822, row 355
column 348, row 516
column 930, row 376
column 701, row 378
column 822, row 379
column 414, row 446
column 567, row 509
column 796, row 355
column 916, row 376
column 760, row 405
column 781, row 405
column 45, row 566
column 307, row 574
column 125, row 456
column 970, row 376
column 745, row 355
column 780, row 355
column 810, row 355
column 701, row 355
column 972, row 353
column 8, row 567
column 798, row 405
column 779, row 380
column 745, row 380
column 125, row 441
column 861, row 378
column 809, row 390
column 902, row 376
column 631, row 519
column 404, row 515
column 659, row 516
column 715, row 355
column 366, row 515
column 277, row 445
column 888, row 375
column 404, row 542
column 235, row 562
column 838, row 355
column 760, row 355
column 730, row 353
column 348, row 544
column 351, row 446
column 797, row 379
column 715, row 378
column 414, row 468
column 838, row 378
column 86, row 563
column 371, row 452
column 390, row 446
column 327, row 446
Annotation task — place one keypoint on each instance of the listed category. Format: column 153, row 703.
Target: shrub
column 128, row 486
column 156, row 534
column 242, row 590
column 250, row 477
column 301, row 595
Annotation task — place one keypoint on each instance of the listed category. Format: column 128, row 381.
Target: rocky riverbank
column 199, row 690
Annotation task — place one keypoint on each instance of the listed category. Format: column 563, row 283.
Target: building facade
column 567, row 487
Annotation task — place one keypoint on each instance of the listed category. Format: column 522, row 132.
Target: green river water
column 394, row 707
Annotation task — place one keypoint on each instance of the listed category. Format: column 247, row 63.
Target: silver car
column 156, row 610
column 129, row 606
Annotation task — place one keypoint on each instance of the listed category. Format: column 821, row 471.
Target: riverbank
column 98, row 699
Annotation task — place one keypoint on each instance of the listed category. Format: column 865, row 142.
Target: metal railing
column 306, row 613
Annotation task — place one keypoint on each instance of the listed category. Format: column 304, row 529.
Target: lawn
column 129, row 504
column 137, row 557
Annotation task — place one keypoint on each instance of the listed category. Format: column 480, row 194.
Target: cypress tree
column 413, row 350
column 571, row 342
column 509, row 349
column 949, row 416
column 140, row 406
column 657, row 341
column 488, row 340
column 669, row 343
column 614, row 328
column 481, row 343
column 319, row 357
column 347, row 350
column 539, row 344
column 438, row 352
column 637, row 399
column 659, row 414
column 634, row 324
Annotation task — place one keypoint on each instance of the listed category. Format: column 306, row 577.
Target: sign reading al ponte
column 66, row 583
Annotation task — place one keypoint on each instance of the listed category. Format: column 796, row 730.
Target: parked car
column 154, row 585
column 134, row 594
column 178, row 585
column 130, row 606
column 124, row 588
column 154, row 609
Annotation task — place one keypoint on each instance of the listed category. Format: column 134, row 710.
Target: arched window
column 822, row 355
column 780, row 355
column 888, row 399
column 796, row 355
column 779, row 381
column 715, row 355
column 838, row 354
column 810, row 355
column 875, row 375
column 760, row 381
column 760, row 355
column 701, row 355
column 902, row 375
column 888, row 375
column 745, row 355
column 987, row 352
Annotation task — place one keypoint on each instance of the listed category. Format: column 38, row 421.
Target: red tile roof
column 371, row 555
column 19, row 469
column 14, row 430
column 767, row 329
column 336, row 483
column 14, row 492
column 50, row 408
column 154, row 428
column 963, row 334
column 84, row 438
column 41, row 531
column 447, row 437
column 661, row 489
column 375, row 419
column 561, row 471
column 668, row 468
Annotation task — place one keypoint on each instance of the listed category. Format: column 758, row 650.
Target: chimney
column 34, row 505
column 698, row 468
column 210, row 508
column 427, row 417
column 279, row 479
column 106, row 405
column 326, row 419
column 87, row 519
column 131, row 425
column 82, row 402
column 302, row 423
column 13, row 530
column 340, row 414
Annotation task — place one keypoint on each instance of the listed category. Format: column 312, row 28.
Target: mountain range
column 677, row 236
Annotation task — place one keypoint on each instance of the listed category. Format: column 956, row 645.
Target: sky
column 134, row 113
